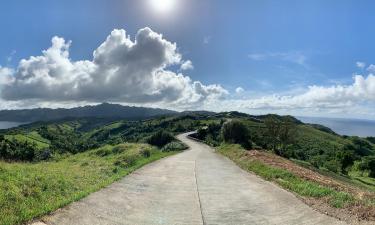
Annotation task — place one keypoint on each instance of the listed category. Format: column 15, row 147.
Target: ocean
column 350, row 127
column 9, row 124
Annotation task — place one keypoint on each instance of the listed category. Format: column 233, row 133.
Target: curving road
column 195, row 187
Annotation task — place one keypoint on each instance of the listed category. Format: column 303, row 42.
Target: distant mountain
column 104, row 110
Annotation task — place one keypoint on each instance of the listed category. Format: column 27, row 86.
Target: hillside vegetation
column 29, row 190
column 46, row 165
column 317, row 146
column 332, row 173
column 104, row 110
column 49, row 164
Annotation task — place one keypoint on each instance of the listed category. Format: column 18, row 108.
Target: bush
column 43, row 154
column 370, row 139
column 160, row 139
column 368, row 164
column 104, row 151
column 237, row 133
column 17, row 150
column 127, row 161
column 174, row 146
column 145, row 153
column 119, row 149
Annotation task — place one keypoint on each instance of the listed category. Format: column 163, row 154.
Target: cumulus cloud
column 139, row 72
column 341, row 97
column 360, row 65
column 121, row 70
column 187, row 65
column 5, row 75
column 239, row 90
column 371, row 68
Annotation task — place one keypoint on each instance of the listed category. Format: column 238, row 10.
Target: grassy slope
column 32, row 137
column 286, row 179
column 343, row 203
column 29, row 190
column 315, row 143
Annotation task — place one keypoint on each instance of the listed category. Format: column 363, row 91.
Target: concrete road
column 195, row 187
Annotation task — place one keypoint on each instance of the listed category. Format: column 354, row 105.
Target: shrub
column 370, row 139
column 43, row 154
column 145, row 153
column 237, row 133
column 127, row 161
column 368, row 164
column 332, row 165
column 119, row 149
column 174, row 146
column 104, row 151
column 160, row 139
column 17, row 150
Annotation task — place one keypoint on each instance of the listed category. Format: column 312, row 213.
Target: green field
column 29, row 190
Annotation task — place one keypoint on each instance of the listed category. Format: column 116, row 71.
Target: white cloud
column 316, row 98
column 371, row 68
column 187, row 65
column 5, row 75
column 239, row 90
column 293, row 57
column 360, row 65
column 137, row 72
column 122, row 70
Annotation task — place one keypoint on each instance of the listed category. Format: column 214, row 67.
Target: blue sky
column 268, row 48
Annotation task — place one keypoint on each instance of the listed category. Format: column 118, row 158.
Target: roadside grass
column 286, row 179
column 31, row 190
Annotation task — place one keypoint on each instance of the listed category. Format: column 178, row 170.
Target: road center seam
column 199, row 198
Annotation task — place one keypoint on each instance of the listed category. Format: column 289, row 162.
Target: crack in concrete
column 199, row 198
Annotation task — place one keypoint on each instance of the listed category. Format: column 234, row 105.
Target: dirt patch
column 356, row 213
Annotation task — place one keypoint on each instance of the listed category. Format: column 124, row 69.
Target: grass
column 32, row 137
column 30, row 190
column 36, row 136
column 359, row 179
column 285, row 179
column 354, row 178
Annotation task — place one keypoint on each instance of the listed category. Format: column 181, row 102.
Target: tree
column 272, row 131
column 346, row 159
column 160, row 138
column 236, row 132
column 361, row 146
column 368, row 164
column 280, row 133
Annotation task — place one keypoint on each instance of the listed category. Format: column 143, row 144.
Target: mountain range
column 104, row 110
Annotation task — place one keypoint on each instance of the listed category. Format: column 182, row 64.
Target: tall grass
column 29, row 190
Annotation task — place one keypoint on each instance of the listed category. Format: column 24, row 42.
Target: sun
column 163, row 6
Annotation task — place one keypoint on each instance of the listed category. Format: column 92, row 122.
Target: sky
column 304, row 58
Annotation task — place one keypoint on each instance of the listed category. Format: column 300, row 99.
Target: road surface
column 195, row 187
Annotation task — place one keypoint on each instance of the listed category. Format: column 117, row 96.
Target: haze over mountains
column 104, row 110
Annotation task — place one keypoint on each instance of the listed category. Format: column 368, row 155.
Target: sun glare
column 163, row 6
